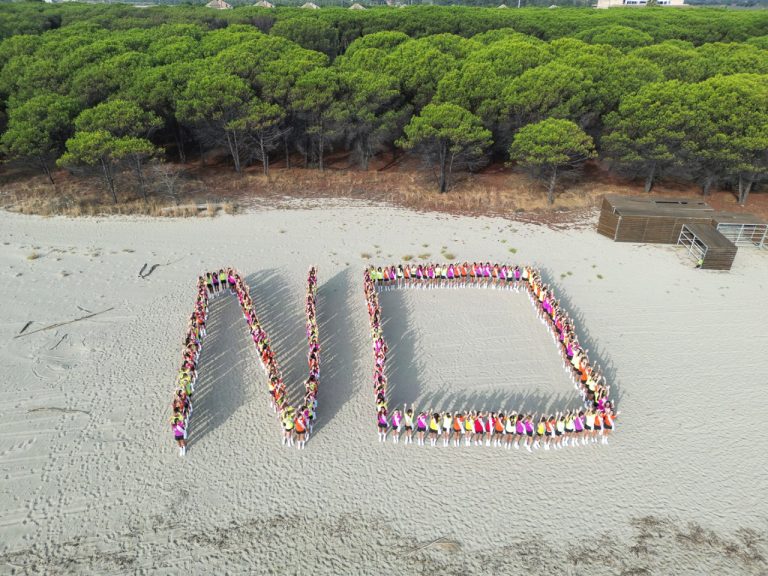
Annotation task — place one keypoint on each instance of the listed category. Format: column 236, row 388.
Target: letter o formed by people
column 589, row 421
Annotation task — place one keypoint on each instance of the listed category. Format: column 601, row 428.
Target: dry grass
column 424, row 256
column 33, row 256
column 449, row 256
column 407, row 258
column 76, row 197
column 497, row 191
column 210, row 210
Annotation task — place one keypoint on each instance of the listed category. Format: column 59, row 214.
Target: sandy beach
column 91, row 483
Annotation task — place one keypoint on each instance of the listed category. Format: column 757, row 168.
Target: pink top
column 528, row 426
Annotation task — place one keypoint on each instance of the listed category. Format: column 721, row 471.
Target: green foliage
column 550, row 90
column 447, row 135
column 38, row 128
column 119, row 118
column 549, row 146
column 375, row 112
column 729, row 137
column 215, row 103
column 647, row 135
column 677, row 60
column 621, row 37
column 663, row 92
column 310, row 33
column 261, row 122
column 419, row 65
column 101, row 150
column 385, row 41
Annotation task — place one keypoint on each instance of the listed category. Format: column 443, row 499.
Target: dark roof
column 710, row 236
column 660, row 206
column 737, row 218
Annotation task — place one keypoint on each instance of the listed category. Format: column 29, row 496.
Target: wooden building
column 710, row 236
column 707, row 246
column 650, row 219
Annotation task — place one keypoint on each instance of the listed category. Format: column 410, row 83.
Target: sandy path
column 90, row 482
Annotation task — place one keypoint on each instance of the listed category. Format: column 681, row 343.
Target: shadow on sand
column 408, row 375
column 598, row 355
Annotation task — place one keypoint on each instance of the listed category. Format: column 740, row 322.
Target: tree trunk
column 178, row 136
column 745, row 187
column 320, row 147
column 109, row 179
column 264, row 156
column 706, row 187
column 140, row 178
column 365, row 153
column 233, row 150
column 287, row 155
column 649, row 179
column 443, row 168
column 551, row 187
column 47, row 170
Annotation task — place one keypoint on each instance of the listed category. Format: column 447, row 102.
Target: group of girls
column 379, row 353
column 187, row 374
column 477, row 428
column 297, row 424
column 596, row 420
column 219, row 282
column 447, row 275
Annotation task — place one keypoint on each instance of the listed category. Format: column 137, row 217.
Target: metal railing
column 695, row 247
column 745, row 234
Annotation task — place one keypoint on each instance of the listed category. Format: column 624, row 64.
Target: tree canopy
column 548, row 146
column 662, row 93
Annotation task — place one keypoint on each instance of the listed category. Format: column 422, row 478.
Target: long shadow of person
column 280, row 308
column 598, row 354
column 222, row 368
column 341, row 356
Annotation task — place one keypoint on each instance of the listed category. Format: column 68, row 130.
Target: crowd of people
column 592, row 422
column 296, row 422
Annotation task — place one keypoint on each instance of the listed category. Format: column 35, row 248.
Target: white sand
column 90, row 482
column 472, row 349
